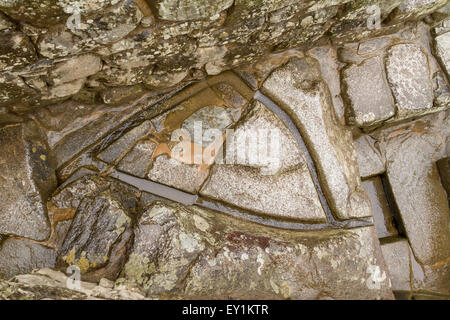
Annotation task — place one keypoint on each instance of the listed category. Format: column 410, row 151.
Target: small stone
column 78, row 67
column 382, row 215
column 16, row 51
column 409, row 77
column 370, row 159
column 368, row 92
column 396, row 254
column 105, row 283
column 137, row 161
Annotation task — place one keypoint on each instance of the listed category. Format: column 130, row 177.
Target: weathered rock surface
column 264, row 171
column 297, row 88
column 370, row 160
column 27, row 179
column 100, row 233
column 53, row 285
column 397, row 256
column 194, row 253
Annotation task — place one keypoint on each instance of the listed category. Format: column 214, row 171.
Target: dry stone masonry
column 320, row 169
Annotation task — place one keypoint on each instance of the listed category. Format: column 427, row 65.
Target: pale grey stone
column 176, row 10
column 174, row 173
column 396, row 254
column 443, row 50
column 370, row 160
column 260, row 177
column 297, row 88
column 21, row 257
column 137, row 161
column 410, row 80
column 368, row 92
column 27, row 179
column 192, row 253
column 411, row 154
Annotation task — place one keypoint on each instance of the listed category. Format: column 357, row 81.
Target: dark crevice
column 398, row 222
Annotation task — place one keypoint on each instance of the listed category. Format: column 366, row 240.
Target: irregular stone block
column 444, row 172
column 16, row 51
column 368, row 92
column 370, row 160
column 138, row 160
column 267, row 178
column 443, row 50
column 121, row 146
column 175, row 10
column 382, row 215
column 416, row 186
column 27, row 179
column 396, row 254
column 409, row 77
column 194, row 253
column 101, row 231
column 21, row 257
column 298, row 89
column 173, row 173
column 75, row 68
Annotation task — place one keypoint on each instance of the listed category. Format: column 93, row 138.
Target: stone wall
column 93, row 92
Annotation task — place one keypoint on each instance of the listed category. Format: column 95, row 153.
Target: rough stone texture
column 52, row 285
column 382, row 215
column 100, row 233
column 297, row 88
column 209, row 255
column 414, row 179
column 443, row 50
column 274, row 181
column 408, row 74
column 27, row 178
column 370, row 160
column 21, row 257
column 78, row 67
column 171, row 172
column 397, row 256
column 369, row 93
column 138, row 160
column 16, row 51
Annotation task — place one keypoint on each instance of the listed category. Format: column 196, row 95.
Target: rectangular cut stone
column 137, row 161
column 113, row 152
column 384, row 220
column 299, row 90
column 409, row 78
column 370, row 160
column 368, row 92
column 26, row 180
column 397, row 257
column 411, row 152
column 443, row 50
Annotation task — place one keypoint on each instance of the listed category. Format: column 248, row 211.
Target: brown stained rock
column 100, row 233
column 299, row 90
column 16, row 51
column 194, row 254
column 138, row 160
column 27, row 179
column 78, row 67
column 411, row 152
column 368, row 92
column 442, row 44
